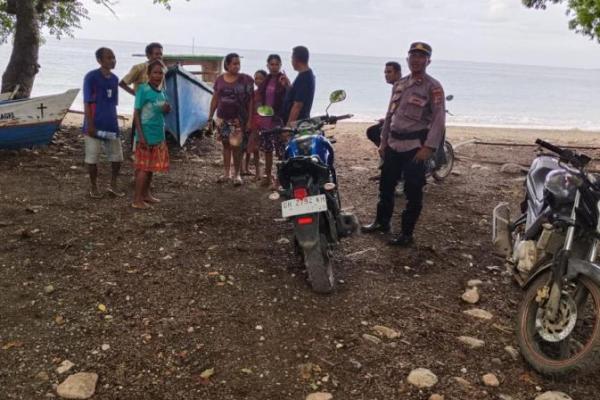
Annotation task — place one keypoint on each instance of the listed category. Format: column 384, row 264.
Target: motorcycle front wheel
column 570, row 343
column 440, row 173
column 319, row 267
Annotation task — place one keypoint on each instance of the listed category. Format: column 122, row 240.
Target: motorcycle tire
column 585, row 360
column 319, row 267
column 441, row 173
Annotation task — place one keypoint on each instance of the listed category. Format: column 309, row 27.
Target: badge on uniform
column 438, row 96
column 417, row 101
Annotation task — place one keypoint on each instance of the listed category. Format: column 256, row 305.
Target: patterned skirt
column 152, row 158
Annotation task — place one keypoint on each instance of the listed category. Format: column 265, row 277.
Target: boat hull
column 33, row 122
column 190, row 104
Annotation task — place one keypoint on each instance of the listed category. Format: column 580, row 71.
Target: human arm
column 295, row 112
column 89, row 117
column 126, row 88
column 138, row 125
column 438, row 124
column 132, row 76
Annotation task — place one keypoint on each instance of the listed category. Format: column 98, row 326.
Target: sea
column 485, row 94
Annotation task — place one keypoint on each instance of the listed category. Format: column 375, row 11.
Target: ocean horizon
column 485, row 94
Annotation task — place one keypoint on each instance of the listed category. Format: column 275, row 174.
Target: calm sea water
column 485, row 94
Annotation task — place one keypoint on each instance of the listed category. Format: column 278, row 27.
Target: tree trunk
column 23, row 65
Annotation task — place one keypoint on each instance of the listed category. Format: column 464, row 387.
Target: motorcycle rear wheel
column 319, row 267
column 441, row 173
column 579, row 351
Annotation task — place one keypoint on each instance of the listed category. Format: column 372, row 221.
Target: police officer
column 413, row 129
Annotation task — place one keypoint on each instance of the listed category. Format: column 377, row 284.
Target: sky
column 500, row 31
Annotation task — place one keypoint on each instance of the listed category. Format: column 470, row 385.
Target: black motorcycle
column 553, row 247
column 308, row 179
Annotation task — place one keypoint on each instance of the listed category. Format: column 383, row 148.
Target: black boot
column 375, row 227
column 402, row 240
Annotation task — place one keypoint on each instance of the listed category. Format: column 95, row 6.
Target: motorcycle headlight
column 562, row 184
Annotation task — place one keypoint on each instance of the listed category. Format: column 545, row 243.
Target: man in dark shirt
column 299, row 98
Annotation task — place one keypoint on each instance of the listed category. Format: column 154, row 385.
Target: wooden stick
column 481, row 142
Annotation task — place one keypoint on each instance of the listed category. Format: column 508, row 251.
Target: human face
column 156, row 54
column 234, row 66
column 295, row 64
column 259, row 79
column 418, row 62
column 391, row 75
column 274, row 66
column 108, row 60
column 157, row 75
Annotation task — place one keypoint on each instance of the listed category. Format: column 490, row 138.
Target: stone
column 49, row 289
column 512, row 169
column 105, row 347
column 284, row 241
column 372, row 339
column 462, row 382
column 436, row 396
column 479, row 313
column 356, row 364
column 386, row 332
column 81, row 385
column 514, row 353
column 553, row 396
column 497, row 361
column 472, row 342
column 505, row 397
column 490, row 380
column 474, row 282
column 42, row 376
column 319, row 396
column 422, row 378
column 64, row 366
column 471, row 296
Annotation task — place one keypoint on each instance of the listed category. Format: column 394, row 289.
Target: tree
column 23, row 21
column 585, row 14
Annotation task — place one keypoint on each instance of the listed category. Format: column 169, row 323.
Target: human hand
column 423, row 154
column 381, row 151
column 284, row 80
column 166, row 108
column 92, row 131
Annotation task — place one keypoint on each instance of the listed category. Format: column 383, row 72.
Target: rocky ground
column 202, row 297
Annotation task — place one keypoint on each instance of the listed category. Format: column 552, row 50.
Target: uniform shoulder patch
column 437, row 94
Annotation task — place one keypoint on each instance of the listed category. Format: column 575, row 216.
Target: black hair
column 273, row 57
column 262, row 72
column 152, row 64
column 300, row 54
column 150, row 48
column 100, row 52
column 394, row 65
column 228, row 59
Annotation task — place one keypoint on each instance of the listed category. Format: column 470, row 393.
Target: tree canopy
column 585, row 14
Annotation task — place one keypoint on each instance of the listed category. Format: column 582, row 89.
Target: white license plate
column 308, row 205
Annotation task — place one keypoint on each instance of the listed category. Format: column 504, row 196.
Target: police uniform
column 416, row 117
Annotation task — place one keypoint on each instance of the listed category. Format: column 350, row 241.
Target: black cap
column 422, row 47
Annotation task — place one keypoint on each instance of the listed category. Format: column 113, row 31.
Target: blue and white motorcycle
column 309, row 183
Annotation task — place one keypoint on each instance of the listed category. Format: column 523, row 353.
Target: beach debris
column 81, row 385
column 371, row 339
column 422, row 378
column 360, row 253
column 274, row 196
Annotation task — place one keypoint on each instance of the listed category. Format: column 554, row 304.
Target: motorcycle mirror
column 337, row 95
column 265, row 111
column 449, row 97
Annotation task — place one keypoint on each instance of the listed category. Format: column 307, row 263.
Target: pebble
column 514, row 353
column 284, row 241
column 357, row 365
column 372, row 339
column 496, row 361
column 471, row 296
column 474, row 282
column 422, row 378
column 553, row 396
column 490, row 380
column 511, row 169
column 436, row 397
column 505, row 397
column 42, row 376
column 385, row 331
column 190, row 329
column 471, row 342
column 319, row 396
column 64, row 366
column 479, row 313
column 462, row 382
column 105, row 347
column 49, row 289
column 81, row 385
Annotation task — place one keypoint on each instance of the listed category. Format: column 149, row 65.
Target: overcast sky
column 481, row 30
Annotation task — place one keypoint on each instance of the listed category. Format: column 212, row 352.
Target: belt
column 420, row 135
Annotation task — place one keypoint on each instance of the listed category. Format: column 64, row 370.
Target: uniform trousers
column 397, row 165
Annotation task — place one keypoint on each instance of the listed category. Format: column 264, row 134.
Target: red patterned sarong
column 152, row 158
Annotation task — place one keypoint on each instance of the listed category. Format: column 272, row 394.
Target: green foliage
column 59, row 17
column 585, row 14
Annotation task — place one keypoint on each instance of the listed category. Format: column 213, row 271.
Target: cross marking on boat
column 42, row 107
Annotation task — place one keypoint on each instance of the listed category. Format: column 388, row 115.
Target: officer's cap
column 422, row 47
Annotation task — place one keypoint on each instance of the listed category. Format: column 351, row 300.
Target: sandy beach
column 208, row 280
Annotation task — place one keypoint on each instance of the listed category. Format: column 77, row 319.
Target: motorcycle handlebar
column 551, row 147
column 577, row 160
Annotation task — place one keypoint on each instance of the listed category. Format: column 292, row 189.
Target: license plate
column 308, row 205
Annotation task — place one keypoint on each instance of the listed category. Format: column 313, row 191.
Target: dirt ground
column 203, row 281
